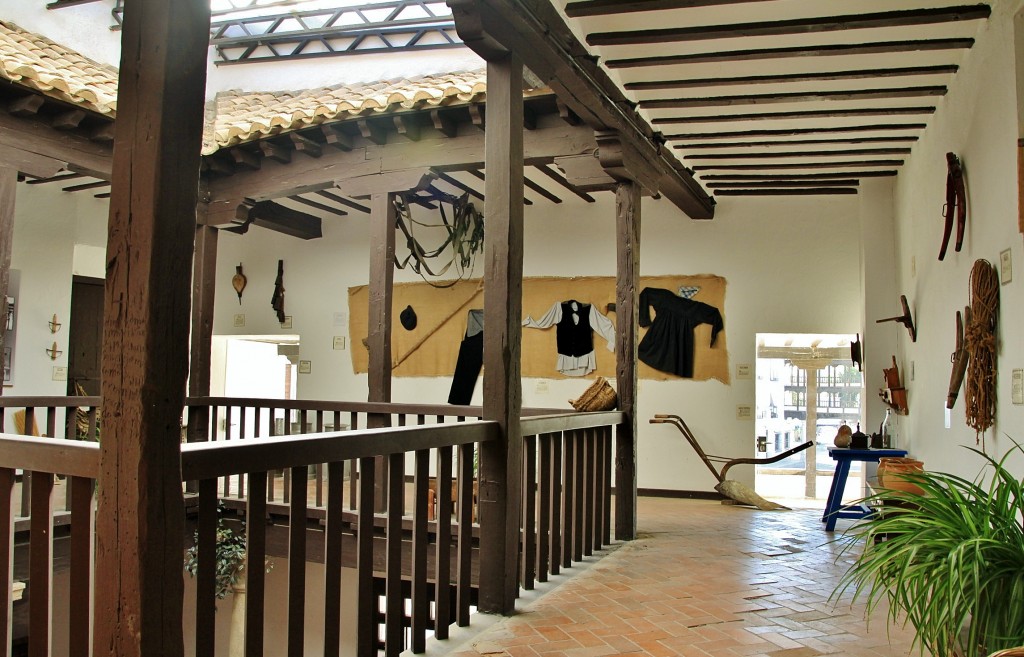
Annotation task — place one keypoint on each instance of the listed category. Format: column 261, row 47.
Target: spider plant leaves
column 948, row 560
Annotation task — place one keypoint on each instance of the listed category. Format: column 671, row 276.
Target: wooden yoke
column 140, row 518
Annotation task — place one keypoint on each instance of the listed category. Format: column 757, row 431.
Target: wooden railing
column 325, row 485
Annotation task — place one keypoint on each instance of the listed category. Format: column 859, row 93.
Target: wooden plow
column 730, row 488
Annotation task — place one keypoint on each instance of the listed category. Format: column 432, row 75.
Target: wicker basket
column 600, row 396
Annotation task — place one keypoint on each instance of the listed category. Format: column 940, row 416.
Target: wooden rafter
column 838, row 182
column 824, row 50
column 799, row 165
column 801, row 114
column 858, row 74
column 878, row 127
column 318, row 206
column 797, row 176
column 560, row 179
column 803, row 191
column 811, row 25
column 344, row 201
column 62, row 177
column 604, row 7
column 85, row 186
column 789, row 154
column 796, row 142
column 793, row 97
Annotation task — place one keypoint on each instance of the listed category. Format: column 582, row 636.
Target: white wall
column 978, row 121
column 792, row 265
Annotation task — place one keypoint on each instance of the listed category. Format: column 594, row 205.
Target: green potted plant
column 949, row 560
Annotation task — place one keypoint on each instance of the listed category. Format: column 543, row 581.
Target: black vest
column 573, row 333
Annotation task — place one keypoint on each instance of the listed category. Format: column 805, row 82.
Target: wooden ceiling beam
column 796, row 191
column 85, row 186
column 458, row 184
column 372, row 132
column 63, row 177
column 795, row 142
column 839, row 182
column 535, row 31
column 276, row 217
column 344, row 201
column 809, row 25
column 801, row 114
column 35, row 137
column 799, row 165
column 67, row 120
column 826, row 50
column 558, row 178
column 336, row 137
column 408, row 125
column 788, row 154
column 478, row 115
column 877, row 127
column 103, row 133
column 797, row 176
column 444, row 123
column 859, row 74
column 794, row 97
column 245, row 158
column 318, row 206
column 540, row 190
column 275, row 151
column 305, row 145
column 25, row 106
column 581, row 8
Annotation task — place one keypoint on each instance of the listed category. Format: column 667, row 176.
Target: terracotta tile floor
column 703, row 579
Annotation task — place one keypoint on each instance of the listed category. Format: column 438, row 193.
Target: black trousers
column 467, row 369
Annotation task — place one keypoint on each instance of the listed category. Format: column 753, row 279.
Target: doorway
column 85, row 336
column 253, row 367
column 807, row 387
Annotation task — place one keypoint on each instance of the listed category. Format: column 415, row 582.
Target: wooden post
column 8, row 183
column 382, row 279
column 204, row 279
column 501, row 462
column 140, row 518
column 627, row 229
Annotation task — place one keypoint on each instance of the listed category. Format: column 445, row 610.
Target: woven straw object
column 600, row 396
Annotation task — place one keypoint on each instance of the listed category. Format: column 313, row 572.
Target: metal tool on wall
column 906, row 319
column 956, row 202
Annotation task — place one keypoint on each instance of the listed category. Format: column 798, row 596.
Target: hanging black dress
column 668, row 344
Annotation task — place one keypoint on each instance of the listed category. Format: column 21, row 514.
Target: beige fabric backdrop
column 432, row 348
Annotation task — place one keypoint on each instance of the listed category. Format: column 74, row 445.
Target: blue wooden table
column 844, row 456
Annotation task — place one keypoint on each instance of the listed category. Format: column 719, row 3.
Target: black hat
column 408, row 318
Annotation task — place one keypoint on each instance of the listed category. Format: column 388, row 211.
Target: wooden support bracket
column 906, row 319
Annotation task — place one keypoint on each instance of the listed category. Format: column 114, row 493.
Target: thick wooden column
column 8, row 183
column 627, row 230
column 138, row 598
column 204, row 280
column 382, row 283
column 501, row 462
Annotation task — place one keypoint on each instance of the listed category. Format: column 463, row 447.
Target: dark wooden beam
column 800, row 165
column 220, row 163
column 337, row 138
column 806, row 191
column 25, row 106
column 60, row 4
column 103, row 133
column 788, row 154
column 140, row 516
column 372, row 132
column 444, row 122
column 627, row 333
column 501, row 461
column 478, row 115
column 581, row 8
column 830, row 50
column 567, row 114
column 102, row 195
column 801, row 114
column 750, row 184
column 811, row 25
column 304, row 144
column 382, row 258
column 85, row 186
column 276, row 217
column 67, row 120
column 344, row 201
column 63, row 177
column 798, row 176
column 477, row 173
column 539, row 35
column 204, row 292
column 318, row 206
column 540, row 190
column 461, row 185
column 558, row 178
column 794, row 97
column 408, row 125
column 860, row 74
column 878, row 127
column 245, row 158
column 8, row 192
column 275, row 151
column 795, row 142
column 36, row 137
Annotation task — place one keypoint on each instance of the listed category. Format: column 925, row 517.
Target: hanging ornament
column 238, row 282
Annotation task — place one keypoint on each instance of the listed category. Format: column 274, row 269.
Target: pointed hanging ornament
column 238, row 282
